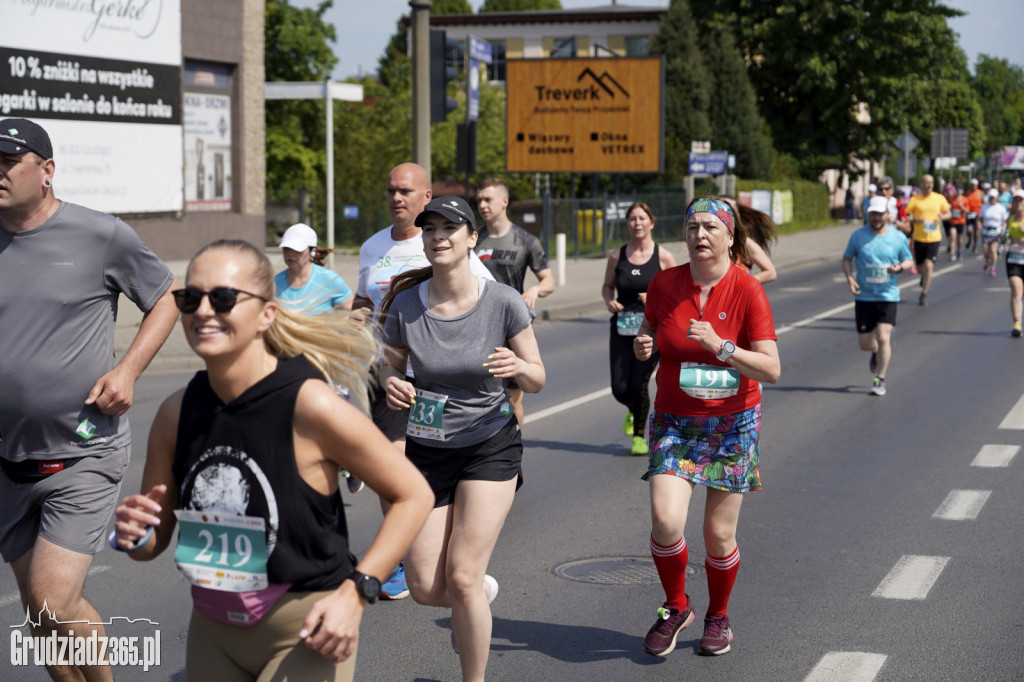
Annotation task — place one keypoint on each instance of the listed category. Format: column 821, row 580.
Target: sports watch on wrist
column 366, row 585
column 728, row 348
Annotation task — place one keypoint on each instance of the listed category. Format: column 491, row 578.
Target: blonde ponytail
column 337, row 343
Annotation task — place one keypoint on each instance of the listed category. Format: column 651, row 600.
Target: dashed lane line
column 995, row 455
column 568, row 405
column 846, row 666
column 911, row 578
column 962, row 505
column 1014, row 419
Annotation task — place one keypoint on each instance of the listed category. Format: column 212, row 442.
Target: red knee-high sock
column 671, row 564
column 721, row 577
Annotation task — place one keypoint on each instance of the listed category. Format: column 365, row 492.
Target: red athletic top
column 737, row 309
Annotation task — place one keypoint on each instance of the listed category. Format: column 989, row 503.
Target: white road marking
column 575, row 402
column 995, row 455
column 583, row 399
column 999, row 290
column 846, row 666
column 799, row 289
column 1014, row 419
column 962, row 505
column 911, row 577
column 9, row 599
column 849, row 306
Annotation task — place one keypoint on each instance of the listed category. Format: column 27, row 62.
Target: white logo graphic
column 721, row 316
column 82, row 650
column 12, row 131
column 636, row 271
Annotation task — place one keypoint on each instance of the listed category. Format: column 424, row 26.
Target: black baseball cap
column 454, row 208
column 20, row 135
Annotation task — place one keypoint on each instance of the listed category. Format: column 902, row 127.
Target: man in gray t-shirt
column 64, row 439
column 507, row 250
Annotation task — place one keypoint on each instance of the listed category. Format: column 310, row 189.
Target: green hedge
column 810, row 201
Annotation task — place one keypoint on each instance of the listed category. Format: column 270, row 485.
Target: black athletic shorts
column 926, row 251
column 869, row 313
column 499, row 458
column 1014, row 269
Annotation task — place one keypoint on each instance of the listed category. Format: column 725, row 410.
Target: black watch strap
column 367, row 586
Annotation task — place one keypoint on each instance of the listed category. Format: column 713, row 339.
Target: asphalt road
column 856, row 487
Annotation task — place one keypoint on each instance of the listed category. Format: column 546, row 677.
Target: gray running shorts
column 70, row 508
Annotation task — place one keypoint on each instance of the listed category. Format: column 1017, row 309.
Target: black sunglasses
column 222, row 299
column 886, row 188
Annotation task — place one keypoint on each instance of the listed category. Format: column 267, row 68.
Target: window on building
column 638, row 46
column 497, row 69
column 564, row 47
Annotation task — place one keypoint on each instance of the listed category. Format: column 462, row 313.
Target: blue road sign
column 711, row 163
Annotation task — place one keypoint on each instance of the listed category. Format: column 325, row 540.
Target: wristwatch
column 728, row 348
column 367, row 585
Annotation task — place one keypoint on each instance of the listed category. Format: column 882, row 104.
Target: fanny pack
column 243, row 609
column 32, row 470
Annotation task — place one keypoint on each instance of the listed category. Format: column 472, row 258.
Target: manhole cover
column 615, row 570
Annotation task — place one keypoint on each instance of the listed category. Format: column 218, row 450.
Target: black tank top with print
column 632, row 280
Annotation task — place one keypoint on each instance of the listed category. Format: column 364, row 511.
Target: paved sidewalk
column 580, row 296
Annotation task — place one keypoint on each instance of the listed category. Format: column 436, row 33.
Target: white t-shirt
column 993, row 219
column 381, row 258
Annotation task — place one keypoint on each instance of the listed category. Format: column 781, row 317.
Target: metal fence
column 595, row 225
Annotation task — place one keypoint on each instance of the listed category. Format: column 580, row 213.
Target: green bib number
column 222, row 552
column 707, row 382
column 628, row 324
column 426, row 416
column 877, row 274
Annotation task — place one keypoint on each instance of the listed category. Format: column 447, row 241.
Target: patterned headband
column 715, row 207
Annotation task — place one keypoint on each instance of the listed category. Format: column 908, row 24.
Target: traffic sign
column 950, row 142
column 712, row 163
column 480, row 50
column 906, row 142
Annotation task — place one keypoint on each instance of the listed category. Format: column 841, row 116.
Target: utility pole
column 421, row 82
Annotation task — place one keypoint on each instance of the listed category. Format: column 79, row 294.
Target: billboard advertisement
column 589, row 115
column 104, row 79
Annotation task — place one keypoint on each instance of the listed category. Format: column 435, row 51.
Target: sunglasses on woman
column 222, row 299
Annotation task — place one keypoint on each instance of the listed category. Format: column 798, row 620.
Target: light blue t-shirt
column 324, row 290
column 872, row 255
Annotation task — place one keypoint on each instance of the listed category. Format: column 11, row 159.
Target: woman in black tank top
column 250, row 450
column 629, row 273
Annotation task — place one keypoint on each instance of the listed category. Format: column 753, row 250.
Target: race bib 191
column 224, row 552
column 708, row 382
column 1015, row 254
column 426, row 416
column 628, row 324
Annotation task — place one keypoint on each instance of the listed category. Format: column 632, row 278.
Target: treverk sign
column 594, row 115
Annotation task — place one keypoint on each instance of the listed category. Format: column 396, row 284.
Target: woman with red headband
column 713, row 326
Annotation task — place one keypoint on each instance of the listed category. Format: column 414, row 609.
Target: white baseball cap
column 878, row 204
column 993, row 192
column 872, row 187
column 299, row 237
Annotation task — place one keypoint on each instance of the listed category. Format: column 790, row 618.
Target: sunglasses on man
column 222, row 299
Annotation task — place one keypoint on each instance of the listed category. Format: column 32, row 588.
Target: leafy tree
column 736, row 125
column 398, row 45
column 999, row 88
column 519, row 5
column 687, row 95
column 839, row 80
column 296, row 49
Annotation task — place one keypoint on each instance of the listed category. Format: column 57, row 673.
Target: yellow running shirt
column 925, row 212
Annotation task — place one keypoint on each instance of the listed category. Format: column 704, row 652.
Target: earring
column 46, row 182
